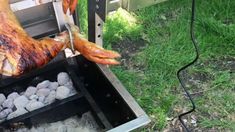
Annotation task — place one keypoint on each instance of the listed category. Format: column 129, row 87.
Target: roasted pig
column 20, row 53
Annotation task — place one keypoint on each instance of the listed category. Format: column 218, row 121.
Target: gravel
column 62, row 92
column 2, row 98
column 50, row 98
column 41, row 98
column 44, row 84
column 13, row 95
column 34, row 105
column 69, row 85
column 63, row 78
column 16, row 113
column 8, row 103
column 53, row 85
column 5, row 113
column 21, row 102
column 30, row 91
column 43, row 92
column 35, row 97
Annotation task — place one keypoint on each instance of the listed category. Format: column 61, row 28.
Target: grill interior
column 95, row 93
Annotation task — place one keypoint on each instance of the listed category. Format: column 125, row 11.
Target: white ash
column 71, row 87
column 30, row 91
column 50, row 98
column 22, row 93
column 88, row 120
column 35, row 97
column 34, row 105
column 74, row 124
column 21, row 102
column 62, row 92
column 32, row 97
column 69, row 84
column 44, row 84
column 13, row 95
column 72, row 92
column 8, row 103
column 24, row 130
column 63, row 78
column 41, row 98
column 2, row 99
column 43, row 92
column 16, row 113
column 53, row 85
column 31, row 101
column 5, row 113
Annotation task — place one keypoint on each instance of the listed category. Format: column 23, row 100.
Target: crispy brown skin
column 69, row 4
column 20, row 53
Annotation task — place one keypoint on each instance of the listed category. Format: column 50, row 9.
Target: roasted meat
column 69, row 4
column 20, row 53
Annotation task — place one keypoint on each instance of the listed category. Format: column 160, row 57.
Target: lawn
column 155, row 43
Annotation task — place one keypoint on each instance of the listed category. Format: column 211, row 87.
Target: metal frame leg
column 96, row 18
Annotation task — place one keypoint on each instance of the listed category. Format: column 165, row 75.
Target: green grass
column 82, row 9
column 122, row 24
column 165, row 30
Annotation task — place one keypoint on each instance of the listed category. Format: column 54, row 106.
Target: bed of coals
column 74, row 124
column 35, row 97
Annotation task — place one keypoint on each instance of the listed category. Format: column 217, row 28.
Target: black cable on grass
column 186, row 66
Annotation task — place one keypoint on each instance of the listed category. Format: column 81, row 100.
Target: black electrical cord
column 186, row 66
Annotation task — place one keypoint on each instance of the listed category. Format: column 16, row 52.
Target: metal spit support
column 97, row 11
column 96, row 18
column 41, row 20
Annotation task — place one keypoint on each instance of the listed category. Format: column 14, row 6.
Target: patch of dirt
column 129, row 48
column 175, row 126
column 197, row 81
column 192, row 122
column 222, row 64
